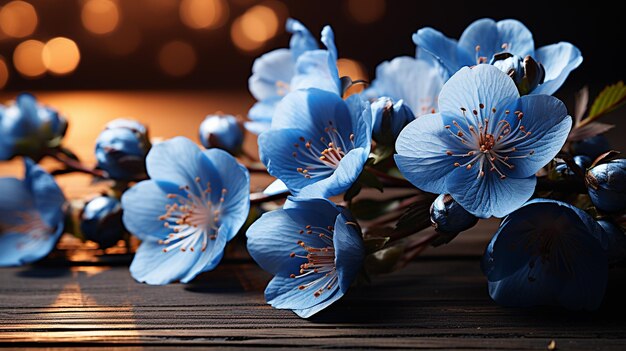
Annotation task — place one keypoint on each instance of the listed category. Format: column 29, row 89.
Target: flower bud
column 101, row 221
column 592, row 147
column 389, row 119
column 29, row 129
column 121, row 150
column 617, row 240
column 583, row 162
column 222, row 132
column 606, row 184
column 526, row 73
column 449, row 217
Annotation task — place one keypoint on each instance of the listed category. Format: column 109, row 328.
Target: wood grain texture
column 435, row 303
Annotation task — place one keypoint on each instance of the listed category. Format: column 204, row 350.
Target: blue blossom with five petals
column 314, row 250
column 194, row 203
column 318, row 143
column 486, row 144
column 507, row 44
column 547, row 253
column 29, row 129
column 31, row 216
column 301, row 66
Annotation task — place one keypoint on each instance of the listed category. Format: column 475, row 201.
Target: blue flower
column 607, row 186
column 194, row 203
column 486, row 144
column 415, row 81
column 616, row 240
column 101, row 221
column 509, row 45
column 388, row 119
column 222, row 132
column 318, row 143
column 314, row 250
column 29, row 129
column 301, row 66
column 31, row 216
column 121, row 150
column 547, row 253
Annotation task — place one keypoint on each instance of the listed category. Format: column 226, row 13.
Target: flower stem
column 388, row 179
column 73, row 165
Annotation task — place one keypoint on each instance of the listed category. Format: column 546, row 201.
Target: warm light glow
column 18, row 19
column 366, row 11
column 100, row 16
column 61, row 55
column 204, row 14
column 27, row 58
column 177, row 58
column 4, row 73
column 355, row 70
column 252, row 29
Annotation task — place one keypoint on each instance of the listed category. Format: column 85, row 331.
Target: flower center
column 556, row 252
column 193, row 218
column 320, row 261
column 319, row 159
column 492, row 146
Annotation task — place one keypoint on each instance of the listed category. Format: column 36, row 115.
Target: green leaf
column 610, row 98
column 382, row 152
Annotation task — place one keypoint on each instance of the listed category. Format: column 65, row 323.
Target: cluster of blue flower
column 471, row 121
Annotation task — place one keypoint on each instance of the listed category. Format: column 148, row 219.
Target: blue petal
column 558, row 61
column 361, row 121
column 314, row 71
column 547, row 120
column 349, row 169
column 236, row 180
column 211, row 257
column 283, row 293
column 14, row 195
column 153, row 266
column 519, row 276
column 275, row 151
column 311, row 110
column 257, row 127
column 516, row 36
column 417, row 82
column 49, row 199
column 17, row 249
column 271, row 74
column 470, row 87
column 273, row 237
column 174, row 160
column 301, row 39
column 349, row 250
column 483, row 33
column 263, row 111
column 444, row 49
column 488, row 195
column 422, row 157
column 143, row 204
column 277, row 187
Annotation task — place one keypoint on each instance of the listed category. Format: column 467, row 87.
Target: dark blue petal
column 422, row 157
column 283, row 293
column 271, row 74
column 301, row 39
column 349, row 250
column 153, row 266
column 545, row 117
column 488, row 195
column 558, row 61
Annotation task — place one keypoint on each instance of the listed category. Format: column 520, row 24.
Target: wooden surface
column 438, row 302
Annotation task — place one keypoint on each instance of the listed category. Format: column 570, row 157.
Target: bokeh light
column 366, row 11
column 4, row 73
column 18, row 19
column 204, row 14
column 251, row 30
column 27, row 59
column 61, row 55
column 100, row 16
column 177, row 58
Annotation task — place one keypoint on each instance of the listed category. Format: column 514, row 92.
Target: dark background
column 596, row 28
